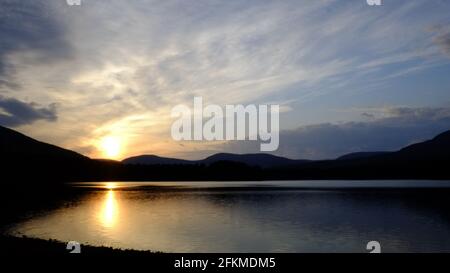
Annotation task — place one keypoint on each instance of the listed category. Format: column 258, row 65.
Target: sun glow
column 111, row 146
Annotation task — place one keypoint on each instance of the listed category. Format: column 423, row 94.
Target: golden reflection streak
column 109, row 213
column 110, row 185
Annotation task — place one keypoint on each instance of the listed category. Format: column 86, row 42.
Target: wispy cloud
column 118, row 67
column 396, row 128
column 443, row 40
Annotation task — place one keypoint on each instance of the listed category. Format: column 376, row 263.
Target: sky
column 348, row 77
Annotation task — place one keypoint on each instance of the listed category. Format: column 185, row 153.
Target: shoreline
column 27, row 246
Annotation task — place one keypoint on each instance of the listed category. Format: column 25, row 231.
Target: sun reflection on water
column 110, row 185
column 109, row 213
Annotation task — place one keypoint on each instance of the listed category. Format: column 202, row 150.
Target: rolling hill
column 14, row 145
column 26, row 159
column 259, row 160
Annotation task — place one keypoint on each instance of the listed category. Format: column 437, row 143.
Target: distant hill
column 359, row 155
column 259, row 160
column 155, row 160
column 425, row 160
column 25, row 159
column 437, row 148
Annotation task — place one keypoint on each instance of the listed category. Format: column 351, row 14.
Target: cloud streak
column 443, row 40
column 28, row 26
column 15, row 113
column 400, row 126
column 118, row 67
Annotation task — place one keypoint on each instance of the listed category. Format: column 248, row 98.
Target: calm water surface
column 288, row 216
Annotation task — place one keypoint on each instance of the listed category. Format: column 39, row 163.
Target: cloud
column 108, row 63
column 443, row 40
column 367, row 115
column 25, row 26
column 401, row 126
column 15, row 113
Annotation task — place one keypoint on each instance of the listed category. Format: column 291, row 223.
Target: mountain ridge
column 27, row 159
column 254, row 159
column 15, row 143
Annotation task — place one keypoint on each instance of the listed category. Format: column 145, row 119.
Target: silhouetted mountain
column 437, row 148
column 425, row 160
column 258, row 160
column 360, row 155
column 155, row 160
column 25, row 159
column 14, row 145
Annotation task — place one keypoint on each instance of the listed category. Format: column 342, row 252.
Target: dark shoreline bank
column 27, row 246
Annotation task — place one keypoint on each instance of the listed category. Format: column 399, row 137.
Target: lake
column 269, row 216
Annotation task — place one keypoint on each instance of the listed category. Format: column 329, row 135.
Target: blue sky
column 346, row 73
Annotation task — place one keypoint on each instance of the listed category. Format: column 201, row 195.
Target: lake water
column 276, row 216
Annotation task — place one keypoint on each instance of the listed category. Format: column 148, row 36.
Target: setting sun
column 111, row 146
